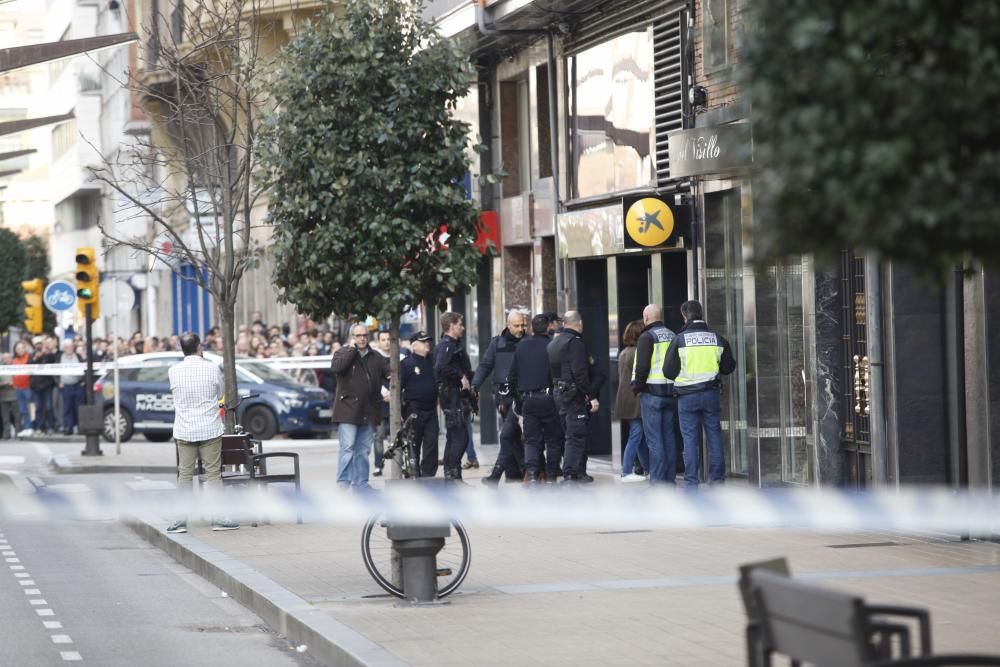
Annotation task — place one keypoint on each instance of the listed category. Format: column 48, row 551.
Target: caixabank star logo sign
column 652, row 222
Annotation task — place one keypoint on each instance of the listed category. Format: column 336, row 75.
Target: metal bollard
column 418, row 547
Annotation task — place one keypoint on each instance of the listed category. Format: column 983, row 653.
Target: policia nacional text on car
column 576, row 383
column 452, row 370
column 695, row 360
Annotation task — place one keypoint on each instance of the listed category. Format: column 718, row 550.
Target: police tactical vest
column 558, row 357
column 662, row 337
column 503, row 358
column 699, row 357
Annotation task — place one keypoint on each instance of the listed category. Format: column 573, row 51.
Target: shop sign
column 710, row 150
column 652, row 222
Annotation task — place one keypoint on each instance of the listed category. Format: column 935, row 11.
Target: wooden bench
column 824, row 627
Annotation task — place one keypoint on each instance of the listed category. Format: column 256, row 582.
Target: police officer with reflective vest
column 575, row 392
column 695, row 361
column 452, row 370
column 495, row 365
column 656, row 395
column 420, row 397
column 531, row 381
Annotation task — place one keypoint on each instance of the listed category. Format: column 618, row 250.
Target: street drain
column 863, row 545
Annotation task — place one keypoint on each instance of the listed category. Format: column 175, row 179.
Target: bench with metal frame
column 821, row 626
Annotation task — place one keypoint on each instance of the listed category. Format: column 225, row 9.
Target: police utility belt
column 545, row 391
column 565, row 392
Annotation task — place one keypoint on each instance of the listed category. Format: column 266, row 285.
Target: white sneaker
column 26, row 433
column 632, row 477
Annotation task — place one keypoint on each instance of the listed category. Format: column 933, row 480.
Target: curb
column 63, row 465
column 326, row 639
column 21, row 485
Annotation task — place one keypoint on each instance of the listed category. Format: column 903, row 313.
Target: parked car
column 274, row 402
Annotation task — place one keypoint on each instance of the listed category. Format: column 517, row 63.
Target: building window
column 612, row 115
column 63, row 138
column 715, row 35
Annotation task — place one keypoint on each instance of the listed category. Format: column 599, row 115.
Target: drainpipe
column 491, row 30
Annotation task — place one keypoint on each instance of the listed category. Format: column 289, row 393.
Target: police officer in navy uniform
column 495, row 365
column 575, row 392
column 531, row 381
column 420, row 398
column 452, row 370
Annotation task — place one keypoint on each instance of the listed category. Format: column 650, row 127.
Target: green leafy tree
column 875, row 127
column 365, row 160
column 13, row 264
column 36, row 251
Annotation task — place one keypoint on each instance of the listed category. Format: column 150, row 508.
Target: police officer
column 695, row 360
column 656, row 395
column 531, row 381
column 452, row 370
column 420, row 398
column 495, row 364
column 575, row 392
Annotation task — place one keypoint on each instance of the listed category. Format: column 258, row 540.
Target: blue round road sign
column 59, row 296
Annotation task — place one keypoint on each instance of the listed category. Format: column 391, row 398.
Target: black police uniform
column 530, row 378
column 570, row 366
column 496, row 363
column 451, row 364
column 420, row 398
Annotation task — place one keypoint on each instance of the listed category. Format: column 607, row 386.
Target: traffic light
column 33, row 311
column 87, row 282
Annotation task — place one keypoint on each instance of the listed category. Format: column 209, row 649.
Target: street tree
column 366, row 158
column 875, row 127
column 190, row 186
column 13, row 268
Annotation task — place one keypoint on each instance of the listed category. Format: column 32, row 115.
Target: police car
column 274, row 402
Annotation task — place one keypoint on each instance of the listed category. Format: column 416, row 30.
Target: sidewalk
column 580, row 597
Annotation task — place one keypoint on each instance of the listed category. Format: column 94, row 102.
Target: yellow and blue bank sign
column 652, row 222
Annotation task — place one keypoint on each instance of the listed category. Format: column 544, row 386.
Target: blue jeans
column 658, row 427
column 45, row 416
column 636, row 444
column 470, row 449
column 23, row 401
column 352, row 460
column 73, row 398
column 697, row 411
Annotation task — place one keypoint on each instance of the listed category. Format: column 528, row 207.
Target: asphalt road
column 95, row 593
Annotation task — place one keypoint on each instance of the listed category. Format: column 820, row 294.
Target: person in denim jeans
column 656, row 395
column 627, row 407
column 695, row 361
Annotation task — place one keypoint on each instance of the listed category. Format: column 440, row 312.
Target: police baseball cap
column 421, row 336
column 553, row 317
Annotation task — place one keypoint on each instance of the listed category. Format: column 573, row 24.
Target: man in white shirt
column 197, row 387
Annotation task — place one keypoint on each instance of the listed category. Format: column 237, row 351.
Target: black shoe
column 571, row 478
column 377, row 473
column 531, row 478
column 494, row 476
column 586, row 479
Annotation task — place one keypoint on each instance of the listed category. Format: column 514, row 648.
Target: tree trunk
column 395, row 396
column 227, row 311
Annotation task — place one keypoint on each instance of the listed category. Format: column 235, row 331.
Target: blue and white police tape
column 907, row 510
column 135, row 361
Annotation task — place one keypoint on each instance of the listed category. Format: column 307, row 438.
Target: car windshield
column 266, row 373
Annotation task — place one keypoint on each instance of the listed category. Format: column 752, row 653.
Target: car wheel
column 125, row 427
column 260, row 422
column 158, row 436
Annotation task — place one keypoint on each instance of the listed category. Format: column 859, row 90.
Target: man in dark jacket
column 420, row 398
column 494, row 367
column 531, row 383
column 357, row 405
column 43, row 386
column 695, row 361
column 576, row 389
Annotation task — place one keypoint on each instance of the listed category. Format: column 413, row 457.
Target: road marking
column 70, row 656
column 32, row 591
column 17, row 567
column 21, row 575
column 52, row 625
column 11, row 460
column 38, row 602
column 61, row 639
column 8, row 553
column 13, row 560
column 27, row 582
column 70, row 488
column 45, row 612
